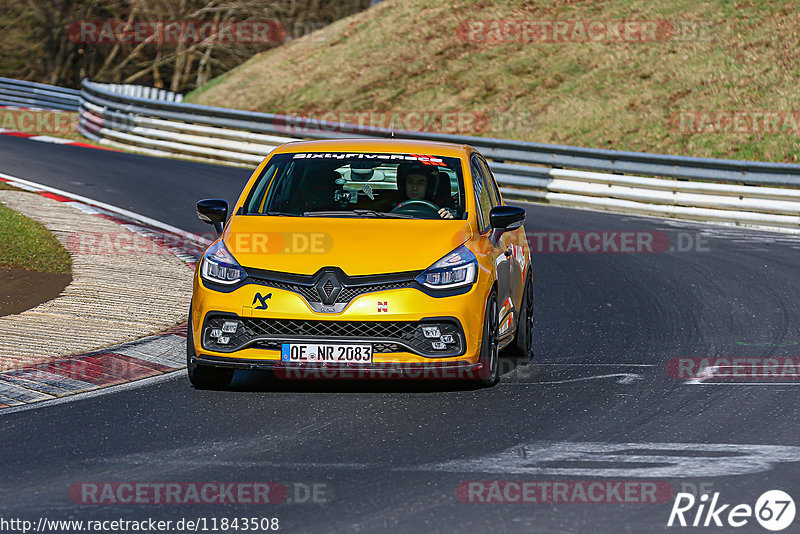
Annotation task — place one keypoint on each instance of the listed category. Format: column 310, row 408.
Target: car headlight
column 457, row 269
column 220, row 267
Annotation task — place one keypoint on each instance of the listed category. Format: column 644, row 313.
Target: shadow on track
column 266, row 381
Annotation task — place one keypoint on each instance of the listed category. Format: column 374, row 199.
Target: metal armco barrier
column 142, row 91
column 38, row 95
column 705, row 189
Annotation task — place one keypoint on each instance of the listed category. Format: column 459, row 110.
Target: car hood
column 359, row 246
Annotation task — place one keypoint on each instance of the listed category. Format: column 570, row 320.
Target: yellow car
column 360, row 258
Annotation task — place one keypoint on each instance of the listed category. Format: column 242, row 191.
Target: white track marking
column 109, row 207
column 624, row 378
column 638, row 460
column 49, row 139
column 774, row 384
column 595, row 365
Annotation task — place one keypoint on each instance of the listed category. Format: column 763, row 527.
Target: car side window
column 482, row 195
column 490, row 182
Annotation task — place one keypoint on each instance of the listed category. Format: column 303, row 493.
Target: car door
column 513, row 244
column 486, row 198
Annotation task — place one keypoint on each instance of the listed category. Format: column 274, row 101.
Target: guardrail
column 33, row 94
column 729, row 191
column 38, row 95
column 166, row 128
column 142, row 91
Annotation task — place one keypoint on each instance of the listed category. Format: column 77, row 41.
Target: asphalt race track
column 598, row 403
column 151, row 189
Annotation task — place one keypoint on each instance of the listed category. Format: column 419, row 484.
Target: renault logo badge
column 328, row 288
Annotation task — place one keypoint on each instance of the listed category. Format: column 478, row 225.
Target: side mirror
column 506, row 218
column 213, row 211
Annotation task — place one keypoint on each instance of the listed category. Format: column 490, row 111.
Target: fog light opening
column 229, row 327
column 431, row 332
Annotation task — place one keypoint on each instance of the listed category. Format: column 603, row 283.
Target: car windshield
column 359, row 185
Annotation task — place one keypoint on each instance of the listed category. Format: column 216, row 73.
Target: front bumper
column 390, row 320
column 386, row 337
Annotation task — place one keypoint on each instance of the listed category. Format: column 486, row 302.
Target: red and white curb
column 185, row 245
column 151, row 356
column 45, row 138
column 144, row 358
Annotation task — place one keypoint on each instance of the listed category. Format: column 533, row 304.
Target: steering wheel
column 417, row 207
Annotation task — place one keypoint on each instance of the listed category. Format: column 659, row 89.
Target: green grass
column 28, row 245
column 5, row 186
column 405, row 56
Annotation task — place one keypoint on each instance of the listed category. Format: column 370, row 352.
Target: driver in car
column 419, row 182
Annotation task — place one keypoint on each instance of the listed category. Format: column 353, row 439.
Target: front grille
column 338, row 329
column 308, row 293
column 347, row 294
column 385, row 336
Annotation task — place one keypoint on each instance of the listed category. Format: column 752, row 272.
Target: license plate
column 313, row 353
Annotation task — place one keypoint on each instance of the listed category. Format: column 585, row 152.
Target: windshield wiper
column 357, row 213
column 383, row 214
column 280, row 214
column 330, row 214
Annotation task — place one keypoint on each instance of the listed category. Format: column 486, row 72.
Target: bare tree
column 48, row 41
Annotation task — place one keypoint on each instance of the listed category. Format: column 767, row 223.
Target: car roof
column 399, row 146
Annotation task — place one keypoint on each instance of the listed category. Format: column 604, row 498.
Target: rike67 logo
column 774, row 510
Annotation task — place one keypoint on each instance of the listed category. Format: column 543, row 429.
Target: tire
column 490, row 355
column 204, row 376
column 522, row 347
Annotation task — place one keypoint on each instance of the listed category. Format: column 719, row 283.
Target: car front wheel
column 490, row 358
column 522, row 347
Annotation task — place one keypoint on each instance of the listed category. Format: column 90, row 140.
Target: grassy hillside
column 408, row 55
